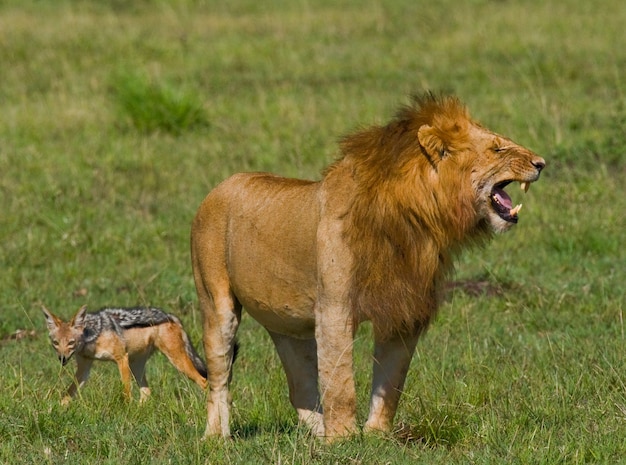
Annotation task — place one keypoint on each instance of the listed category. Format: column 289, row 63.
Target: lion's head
column 463, row 147
column 429, row 182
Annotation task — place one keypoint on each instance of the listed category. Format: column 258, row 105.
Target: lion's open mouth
column 502, row 203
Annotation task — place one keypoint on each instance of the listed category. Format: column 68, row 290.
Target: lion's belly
column 291, row 320
column 282, row 302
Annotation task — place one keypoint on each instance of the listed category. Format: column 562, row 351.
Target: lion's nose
column 540, row 164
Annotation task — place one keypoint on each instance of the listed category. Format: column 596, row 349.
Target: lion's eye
column 498, row 149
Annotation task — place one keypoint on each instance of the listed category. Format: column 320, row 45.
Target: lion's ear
column 432, row 143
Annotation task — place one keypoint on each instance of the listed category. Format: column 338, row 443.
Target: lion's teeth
column 525, row 186
column 515, row 211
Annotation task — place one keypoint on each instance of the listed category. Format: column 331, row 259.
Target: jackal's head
column 66, row 336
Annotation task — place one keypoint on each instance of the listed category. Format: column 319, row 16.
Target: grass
column 151, row 107
column 525, row 362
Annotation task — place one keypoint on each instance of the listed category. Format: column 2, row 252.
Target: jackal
column 127, row 336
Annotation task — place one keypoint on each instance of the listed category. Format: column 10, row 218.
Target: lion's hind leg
column 391, row 364
column 221, row 321
column 299, row 359
column 221, row 313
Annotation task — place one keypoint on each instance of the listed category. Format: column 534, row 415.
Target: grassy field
column 118, row 117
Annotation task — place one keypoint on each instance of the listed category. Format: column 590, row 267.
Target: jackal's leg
column 391, row 363
column 138, row 368
column 124, row 367
column 171, row 341
column 299, row 358
column 83, row 367
column 117, row 349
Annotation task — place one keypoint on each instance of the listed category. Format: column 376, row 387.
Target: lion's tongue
column 503, row 198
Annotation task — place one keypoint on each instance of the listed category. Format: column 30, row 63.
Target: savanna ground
column 118, row 117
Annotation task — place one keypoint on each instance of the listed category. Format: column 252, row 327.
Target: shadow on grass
column 444, row 431
column 255, row 429
column 481, row 286
column 437, row 432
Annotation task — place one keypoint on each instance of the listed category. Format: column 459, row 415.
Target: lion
column 373, row 240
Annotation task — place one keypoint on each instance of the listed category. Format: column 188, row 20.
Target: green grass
column 118, row 117
column 150, row 106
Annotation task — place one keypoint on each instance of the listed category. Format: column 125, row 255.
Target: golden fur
column 408, row 226
column 373, row 240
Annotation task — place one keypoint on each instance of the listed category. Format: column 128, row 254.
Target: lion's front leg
column 334, row 354
column 391, row 364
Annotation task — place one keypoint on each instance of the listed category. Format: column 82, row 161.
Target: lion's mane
column 407, row 218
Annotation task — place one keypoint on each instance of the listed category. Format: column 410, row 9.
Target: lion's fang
column 515, row 211
column 525, row 186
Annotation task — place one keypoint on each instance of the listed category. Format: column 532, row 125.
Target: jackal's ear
column 51, row 320
column 79, row 318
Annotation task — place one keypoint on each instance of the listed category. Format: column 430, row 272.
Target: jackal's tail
column 198, row 363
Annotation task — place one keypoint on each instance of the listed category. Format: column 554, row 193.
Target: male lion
column 373, row 240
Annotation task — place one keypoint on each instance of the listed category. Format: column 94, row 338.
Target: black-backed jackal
column 127, row 336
